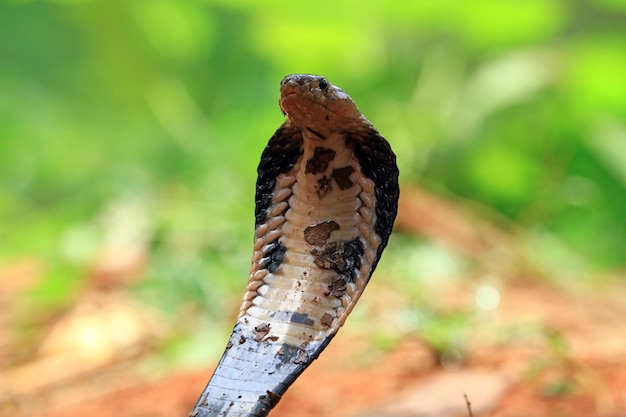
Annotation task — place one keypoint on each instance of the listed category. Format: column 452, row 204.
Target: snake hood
column 326, row 199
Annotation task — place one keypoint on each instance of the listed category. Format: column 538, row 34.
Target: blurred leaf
column 503, row 173
column 489, row 23
column 608, row 141
column 595, row 73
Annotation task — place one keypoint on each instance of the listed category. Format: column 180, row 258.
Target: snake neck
column 313, row 254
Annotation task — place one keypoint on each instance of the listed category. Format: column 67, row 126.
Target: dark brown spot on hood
column 323, row 187
column 342, row 177
column 343, row 257
column 261, row 331
column 327, row 319
column 319, row 162
column 337, row 288
column 319, row 234
column 330, row 257
column 302, row 358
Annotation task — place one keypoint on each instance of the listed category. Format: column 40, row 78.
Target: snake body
column 326, row 200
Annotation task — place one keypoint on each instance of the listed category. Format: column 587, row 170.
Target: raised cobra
column 326, row 199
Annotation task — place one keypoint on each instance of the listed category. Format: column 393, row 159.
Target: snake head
column 310, row 101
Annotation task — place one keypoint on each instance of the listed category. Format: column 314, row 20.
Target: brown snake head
column 313, row 102
column 326, row 199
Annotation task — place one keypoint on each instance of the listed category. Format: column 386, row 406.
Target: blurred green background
column 136, row 127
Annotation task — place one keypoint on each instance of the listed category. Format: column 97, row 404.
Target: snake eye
column 323, row 84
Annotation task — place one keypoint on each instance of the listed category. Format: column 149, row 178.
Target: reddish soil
column 583, row 374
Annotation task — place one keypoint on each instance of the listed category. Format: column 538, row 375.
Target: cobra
column 326, row 200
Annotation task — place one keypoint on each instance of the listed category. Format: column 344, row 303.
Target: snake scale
column 326, row 200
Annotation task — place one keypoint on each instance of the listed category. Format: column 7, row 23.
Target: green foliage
column 517, row 106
